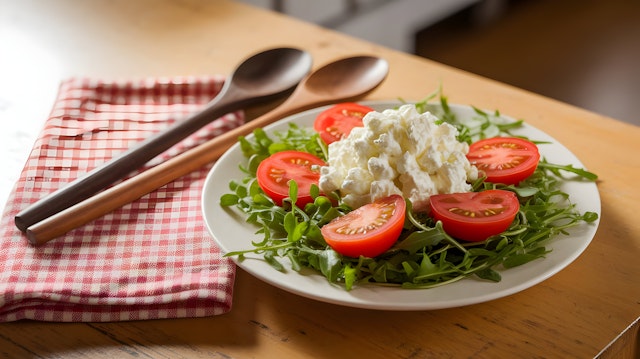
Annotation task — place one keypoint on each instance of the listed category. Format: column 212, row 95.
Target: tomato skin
column 384, row 220
column 336, row 122
column 507, row 160
column 475, row 216
column 274, row 173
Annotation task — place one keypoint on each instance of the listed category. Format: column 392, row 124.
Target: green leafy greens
column 424, row 256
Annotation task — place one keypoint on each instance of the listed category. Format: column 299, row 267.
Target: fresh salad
column 511, row 210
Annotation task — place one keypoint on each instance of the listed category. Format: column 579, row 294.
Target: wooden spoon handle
column 153, row 178
column 120, row 166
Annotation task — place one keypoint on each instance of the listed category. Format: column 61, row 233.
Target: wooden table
column 576, row 313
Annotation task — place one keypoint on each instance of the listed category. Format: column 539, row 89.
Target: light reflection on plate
column 232, row 233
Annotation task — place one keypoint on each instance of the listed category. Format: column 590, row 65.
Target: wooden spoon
column 343, row 80
column 260, row 78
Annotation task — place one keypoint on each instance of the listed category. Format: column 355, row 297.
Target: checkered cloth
column 150, row 259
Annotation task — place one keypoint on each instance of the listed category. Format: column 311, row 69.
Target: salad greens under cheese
column 424, row 255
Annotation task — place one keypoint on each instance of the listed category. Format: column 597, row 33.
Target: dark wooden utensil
column 260, row 78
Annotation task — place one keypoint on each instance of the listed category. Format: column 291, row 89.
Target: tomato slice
column 274, row 173
column 368, row 230
column 475, row 216
column 335, row 123
column 507, row 160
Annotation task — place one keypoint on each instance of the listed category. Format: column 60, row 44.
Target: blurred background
column 583, row 52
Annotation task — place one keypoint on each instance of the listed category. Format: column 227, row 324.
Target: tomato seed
column 386, row 212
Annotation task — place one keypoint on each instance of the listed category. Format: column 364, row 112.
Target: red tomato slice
column 335, row 123
column 507, row 160
column 274, row 173
column 369, row 230
column 475, row 216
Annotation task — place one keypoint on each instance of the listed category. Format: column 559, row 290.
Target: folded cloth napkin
column 150, row 259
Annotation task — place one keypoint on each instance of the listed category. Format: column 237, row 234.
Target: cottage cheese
column 398, row 152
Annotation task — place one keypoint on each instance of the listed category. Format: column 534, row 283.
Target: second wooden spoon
column 343, row 80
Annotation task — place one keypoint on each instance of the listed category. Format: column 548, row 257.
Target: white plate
column 232, row 233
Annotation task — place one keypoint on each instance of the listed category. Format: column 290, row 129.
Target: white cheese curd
column 398, row 152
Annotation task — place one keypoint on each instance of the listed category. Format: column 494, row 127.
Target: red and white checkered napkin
column 150, row 259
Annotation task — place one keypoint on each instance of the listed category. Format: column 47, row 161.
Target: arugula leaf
column 556, row 169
